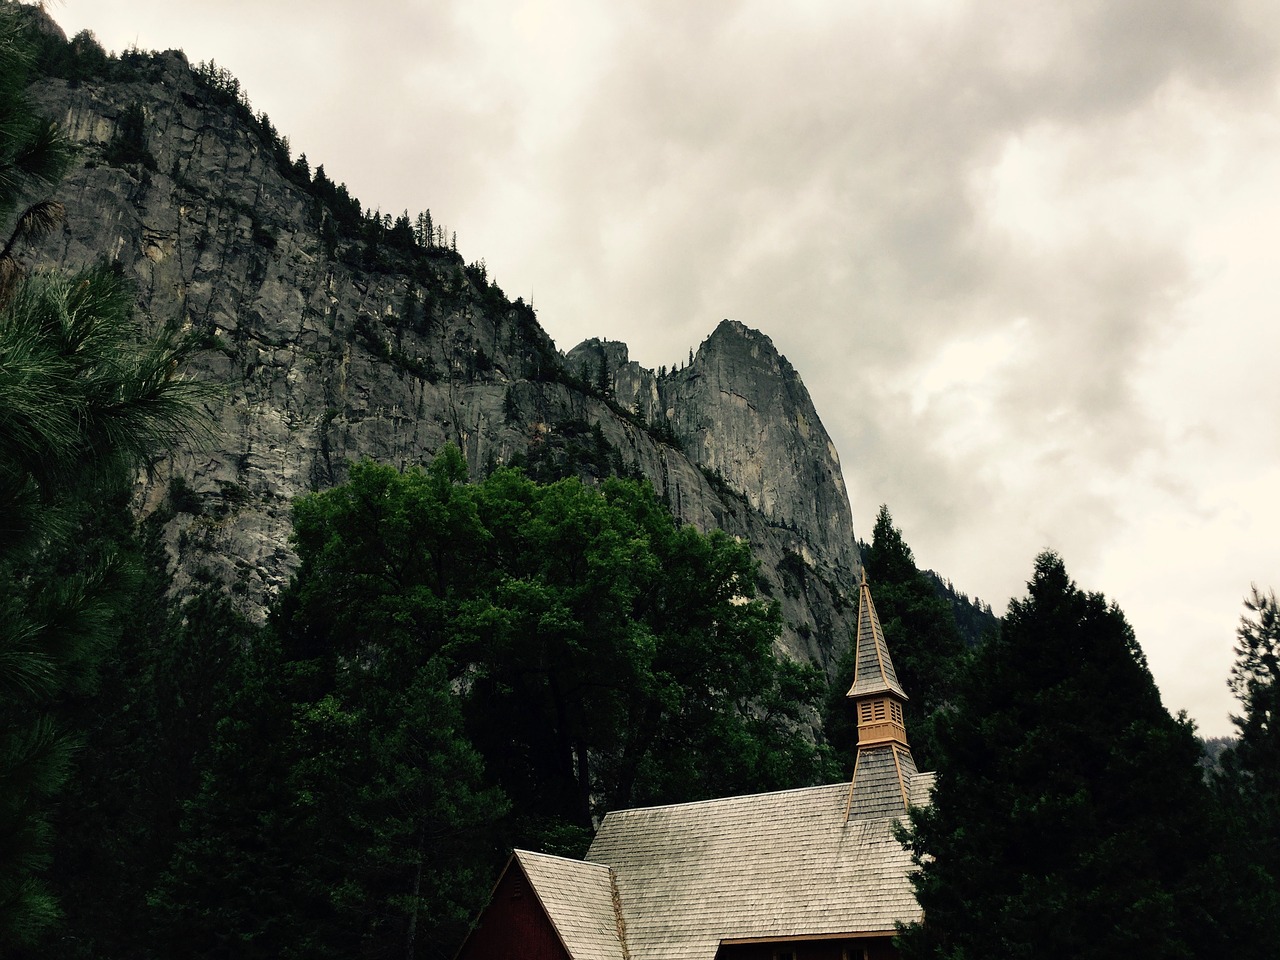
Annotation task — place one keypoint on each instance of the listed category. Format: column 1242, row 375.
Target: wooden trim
column 906, row 801
column 618, row 920
column 848, row 807
column 799, row 937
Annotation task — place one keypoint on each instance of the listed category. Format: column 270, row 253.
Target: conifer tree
column 920, row 630
column 1069, row 817
column 1249, row 782
column 84, row 401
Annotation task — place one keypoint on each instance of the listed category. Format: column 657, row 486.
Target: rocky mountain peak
column 334, row 339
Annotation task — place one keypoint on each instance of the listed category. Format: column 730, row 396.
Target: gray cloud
column 996, row 239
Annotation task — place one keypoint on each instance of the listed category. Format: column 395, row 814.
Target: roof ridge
column 617, row 914
column 555, row 856
column 730, row 799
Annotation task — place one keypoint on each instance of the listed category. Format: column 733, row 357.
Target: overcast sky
column 1024, row 255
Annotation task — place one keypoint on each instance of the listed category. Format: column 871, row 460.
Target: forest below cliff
column 469, row 657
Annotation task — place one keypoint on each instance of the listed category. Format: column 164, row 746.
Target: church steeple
column 884, row 766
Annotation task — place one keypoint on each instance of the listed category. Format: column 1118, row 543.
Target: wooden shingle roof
column 873, row 669
column 882, row 780
column 761, row 866
column 578, row 898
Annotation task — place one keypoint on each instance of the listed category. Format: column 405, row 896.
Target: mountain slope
column 336, row 336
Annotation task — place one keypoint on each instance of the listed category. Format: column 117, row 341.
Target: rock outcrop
column 330, row 344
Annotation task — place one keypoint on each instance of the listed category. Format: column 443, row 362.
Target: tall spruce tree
column 1069, row 817
column 1248, row 784
column 919, row 628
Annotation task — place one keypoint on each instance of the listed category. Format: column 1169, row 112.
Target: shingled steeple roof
column 873, row 669
column 884, row 768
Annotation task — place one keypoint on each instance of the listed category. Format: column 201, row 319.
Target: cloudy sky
column 1023, row 255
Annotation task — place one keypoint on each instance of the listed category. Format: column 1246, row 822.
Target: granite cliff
column 332, row 340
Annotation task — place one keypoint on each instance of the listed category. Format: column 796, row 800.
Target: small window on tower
column 864, row 712
column 895, row 710
column 880, row 711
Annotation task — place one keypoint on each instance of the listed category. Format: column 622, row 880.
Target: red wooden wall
column 513, row 925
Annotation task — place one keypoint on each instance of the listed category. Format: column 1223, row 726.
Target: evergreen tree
column 1255, row 761
column 147, row 730
column 302, row 170
column 84, row 401
column 920, row 629
column 1248, row 784
column 1069, row 816
column 400, row 233
column 423, row 230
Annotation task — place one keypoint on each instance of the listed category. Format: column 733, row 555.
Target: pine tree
column 1069, row 817
column 84, row 401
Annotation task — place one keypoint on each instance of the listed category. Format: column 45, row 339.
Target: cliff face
column 328, row 347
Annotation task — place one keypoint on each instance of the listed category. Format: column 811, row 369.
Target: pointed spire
column 873, row 671
column 884, row 766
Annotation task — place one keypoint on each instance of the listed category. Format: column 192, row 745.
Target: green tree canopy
column 1069, row 817
column 456, row 669
column 601, row 647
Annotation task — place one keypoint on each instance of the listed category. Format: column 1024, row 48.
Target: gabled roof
column 873, row 669
column 578, row 899
column 762, row 866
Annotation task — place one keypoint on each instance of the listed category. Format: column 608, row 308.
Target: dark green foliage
column 1248, row 781
column 492, row 575
column 129, row 144
column 34, row 154
column 923, row 640
column 1255, row 680
column 572, row 448
column 82, row 58
column 146, row 732
column 973, row 617
column 460, row 668
column 1069, row 817
column 84, row 400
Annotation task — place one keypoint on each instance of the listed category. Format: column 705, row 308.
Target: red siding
column 513, row 925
